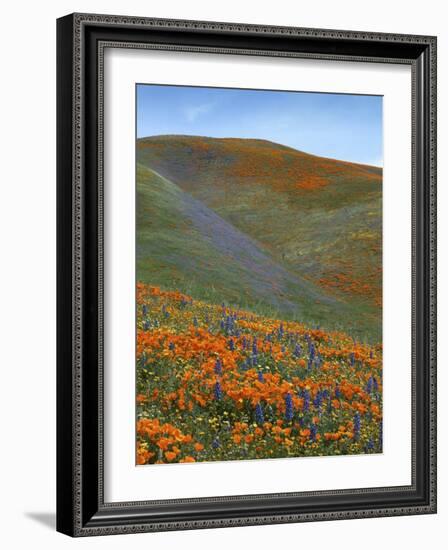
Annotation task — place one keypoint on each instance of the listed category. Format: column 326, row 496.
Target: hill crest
column 281, row 166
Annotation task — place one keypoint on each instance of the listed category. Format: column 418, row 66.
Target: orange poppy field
column 218, row 383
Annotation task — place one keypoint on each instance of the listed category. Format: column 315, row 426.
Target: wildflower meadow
column 218, row 383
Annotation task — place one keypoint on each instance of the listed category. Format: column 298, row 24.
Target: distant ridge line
column 255, row 140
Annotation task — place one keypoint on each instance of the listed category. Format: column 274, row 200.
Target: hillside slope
column 319, row 218
column 184, row 245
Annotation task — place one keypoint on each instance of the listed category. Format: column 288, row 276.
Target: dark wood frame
column 81, row 39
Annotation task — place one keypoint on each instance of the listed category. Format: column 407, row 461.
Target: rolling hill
column 288, row 231
column 320, row 216
column 190, row 244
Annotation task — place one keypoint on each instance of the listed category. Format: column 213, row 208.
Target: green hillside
column 185, row 245
column 319, row 218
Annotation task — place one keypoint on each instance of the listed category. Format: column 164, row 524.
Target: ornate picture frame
column 81, row 506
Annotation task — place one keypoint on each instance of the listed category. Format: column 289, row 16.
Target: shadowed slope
column 182, row 244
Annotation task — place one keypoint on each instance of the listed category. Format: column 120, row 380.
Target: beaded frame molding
column 81, row 40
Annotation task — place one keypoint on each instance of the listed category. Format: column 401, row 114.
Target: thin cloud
column 192, row 112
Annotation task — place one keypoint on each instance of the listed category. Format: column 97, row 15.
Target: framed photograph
column 246, row 274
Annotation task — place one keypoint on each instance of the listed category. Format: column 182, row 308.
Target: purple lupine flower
column 352, row 359
column 356, row 425
column 218, row 391
column 254, row 347
column 231, row 344
column 260, row 376
column 171, row 346
column 244, row 342
column 218, row 366
column 297, row 350
column 145, row 309
column 369, row 385
column 216, row 443
column 228, row 324
column 306, row 401
column 311, row 350
column 289, row 407
column 259, row 416
column 337, row 392
column 146, row 325
column 195, row 322
column 281, row 331
column 317, row 401
column 313, row 432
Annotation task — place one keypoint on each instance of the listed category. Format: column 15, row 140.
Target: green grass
column 319, row 218
column 184, row 245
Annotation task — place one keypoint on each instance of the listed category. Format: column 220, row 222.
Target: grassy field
column 311, row 226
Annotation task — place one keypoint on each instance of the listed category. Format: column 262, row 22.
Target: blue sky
column 346, row 127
